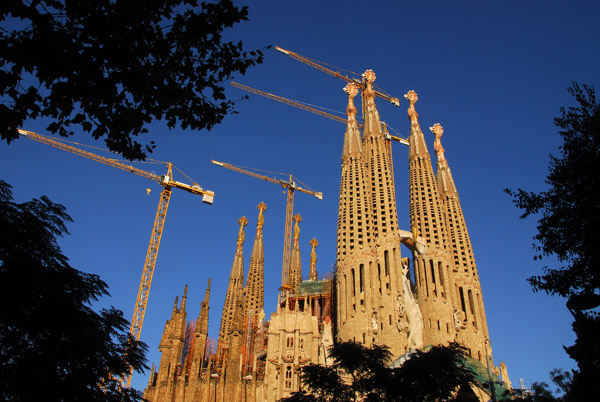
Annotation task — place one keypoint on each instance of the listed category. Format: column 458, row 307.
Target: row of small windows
column 353, row 284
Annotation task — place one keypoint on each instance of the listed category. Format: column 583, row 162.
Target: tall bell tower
column 470, row 314
column 434, row 269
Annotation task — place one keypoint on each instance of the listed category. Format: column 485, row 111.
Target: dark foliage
column 568, row 229
column 53, row 346
column 434, row 375
column 580, row 384
column 110, row 67
column 570, row 208
column 326, row 384
column 367, row 366
column 431, row 375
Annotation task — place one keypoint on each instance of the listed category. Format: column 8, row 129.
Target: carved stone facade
column 369, row 298
column 293, row 342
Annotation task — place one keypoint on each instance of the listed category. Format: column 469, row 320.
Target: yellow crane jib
column 167, row 183
column 394, row 101
column 291, row 188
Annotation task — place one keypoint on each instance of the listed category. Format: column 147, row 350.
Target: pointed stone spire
column 313, row 261
column 354, row 225
column 372, row 123
column 255, row 284
column 434, row 268
column 235, row 287
column 377, row 159
column 200, row 335
column 459, row 241
column 170, row 347
column 184, row 298
column 352, row 142
column 417, row 147
column 445, row 181
column 202, row 323
column 474, row 330
column 175, row 309
column 295, row 275
column 427, row 218
column 355, row 239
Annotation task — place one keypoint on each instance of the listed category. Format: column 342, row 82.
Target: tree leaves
column 53, row 345
column 570, row 209
column 111, row 67
column 362, row 373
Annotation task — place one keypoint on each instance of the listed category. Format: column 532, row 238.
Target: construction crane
column 360, row 85
column 159, row 222
column 389, row 137
column 299, row 105
column 291, row 187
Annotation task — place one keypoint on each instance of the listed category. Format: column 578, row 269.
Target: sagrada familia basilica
column 370, row 297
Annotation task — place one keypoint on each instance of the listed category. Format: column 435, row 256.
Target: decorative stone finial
column 314, row 243
column 351, row 89
column 412, row 98
column 241, row 235
column 297, row 218
column 369, row 75
column 313, row 260
column 438, row 130
column 262, row 207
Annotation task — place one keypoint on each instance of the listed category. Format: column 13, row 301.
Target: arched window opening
column 441, row 277
column 288, row 377
column 462, row 301
column 386, row 259
column 472, row 307
column 362, row 277
column 379, row 276
column 424, row 270
column 433, row 281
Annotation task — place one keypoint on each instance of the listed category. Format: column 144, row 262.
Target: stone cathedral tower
column 235, row 290
column 371, row 295
column 473, row 331
column 370, row 298
column 254, row 299
column 160, row 386
column 434, row 269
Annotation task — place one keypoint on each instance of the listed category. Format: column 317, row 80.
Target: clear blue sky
column 493, row 73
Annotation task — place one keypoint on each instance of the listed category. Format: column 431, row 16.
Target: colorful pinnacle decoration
column 412, row 97
column 351, row 89
column 369, row 75
column 313, row 260
column 262, row 207
column 438, row 130
column 241, row 236
column 297, row 218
